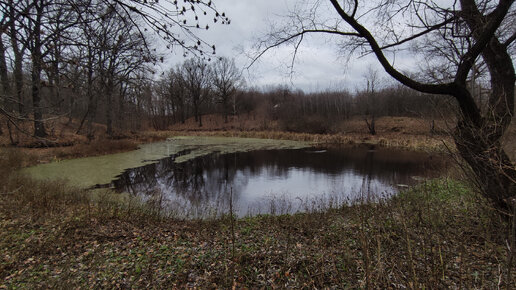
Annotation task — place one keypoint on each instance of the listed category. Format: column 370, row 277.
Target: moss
column 87, row 172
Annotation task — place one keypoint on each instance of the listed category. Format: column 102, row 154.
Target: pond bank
column 435, row 235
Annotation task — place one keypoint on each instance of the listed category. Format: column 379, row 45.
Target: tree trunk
column 39, row 128
column 18, row 82
column 182, row 112
column 13, row 142
column 123, row 91
column 479, row 139
column 432, row 127
column 89, row 88
column 225, row 108
column 493, row 171
column 18, row 61
column 371, row 126
column 6, row 88
column 3, row 74
column 109, row 108
column 196, row 110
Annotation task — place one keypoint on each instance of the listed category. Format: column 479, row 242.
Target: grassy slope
column 437, row 235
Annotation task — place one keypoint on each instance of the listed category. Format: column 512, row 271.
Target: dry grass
column 357, row 125
column 401, row 132
column 214, row 122
column 94, row 148
column 409, row 142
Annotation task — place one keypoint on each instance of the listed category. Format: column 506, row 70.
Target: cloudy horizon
column 318, row 65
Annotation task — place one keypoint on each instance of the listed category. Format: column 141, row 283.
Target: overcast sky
column 318, row 64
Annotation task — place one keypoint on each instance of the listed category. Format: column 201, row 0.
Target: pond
column 275, row 181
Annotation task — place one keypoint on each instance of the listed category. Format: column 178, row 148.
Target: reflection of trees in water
column 208, row 179
column 203, row 179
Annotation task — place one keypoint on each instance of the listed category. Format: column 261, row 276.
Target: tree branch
column 442, row 89
column 482, row 36
column 300, row 34
column 510, row 40
column 430, row 29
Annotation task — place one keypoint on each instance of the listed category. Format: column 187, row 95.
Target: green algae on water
column 90, row 171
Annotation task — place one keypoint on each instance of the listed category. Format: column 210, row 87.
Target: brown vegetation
column 64, row 143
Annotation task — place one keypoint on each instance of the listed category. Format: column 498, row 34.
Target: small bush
column 10, row 160
column 97, row 147
column 106, row 145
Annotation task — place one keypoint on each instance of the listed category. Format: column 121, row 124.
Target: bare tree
column 39, row 29
column 173, row 89
column 16, row 10
column 177, row 91
column 13, row 12
column 371, row 77
column 36, row 42
column 226, row 81
column 121, row 51
column 197, row 76
column 4, row 79
column 459, row 32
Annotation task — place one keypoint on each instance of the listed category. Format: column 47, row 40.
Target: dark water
column 276, row 181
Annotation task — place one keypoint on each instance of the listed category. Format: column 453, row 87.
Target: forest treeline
column 91, row 63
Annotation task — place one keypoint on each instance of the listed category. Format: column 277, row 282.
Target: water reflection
column 275, row 181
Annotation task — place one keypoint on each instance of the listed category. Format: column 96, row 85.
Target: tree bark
column 89, row 87
column 6, row 88
column 492, row 170
column 18, row 61
column 371, row 126
column 39, row 127
column 109, row 107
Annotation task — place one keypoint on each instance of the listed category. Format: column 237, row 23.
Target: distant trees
column 196, row 87
column 121, row 53
column 372, row 80
column 176, row 91
column 190, row 89
column 227, row 79
column 197, row 81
